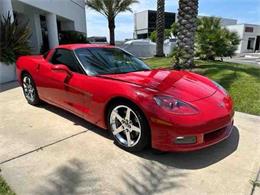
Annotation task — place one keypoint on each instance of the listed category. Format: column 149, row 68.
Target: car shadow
column 197, row 159
column 76, row 120
column 186, row 160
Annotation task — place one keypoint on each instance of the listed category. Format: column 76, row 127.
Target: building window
column 249, row 29
column 250, row 43
column 169, row 20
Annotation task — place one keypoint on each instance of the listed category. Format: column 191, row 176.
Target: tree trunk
column 111, row 26
column 160, row 25
column 187, row 24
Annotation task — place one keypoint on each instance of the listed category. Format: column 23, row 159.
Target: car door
column 49, row 83
column 60, row 89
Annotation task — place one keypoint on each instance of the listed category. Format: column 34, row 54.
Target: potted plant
column 14, row 43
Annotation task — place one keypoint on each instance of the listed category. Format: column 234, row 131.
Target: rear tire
column 128, row 126
column 30, row 90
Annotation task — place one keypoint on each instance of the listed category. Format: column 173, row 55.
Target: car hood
column 183, row 85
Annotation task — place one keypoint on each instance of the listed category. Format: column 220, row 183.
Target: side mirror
column 62, row 68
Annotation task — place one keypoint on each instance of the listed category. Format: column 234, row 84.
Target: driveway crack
column 42, row 147
column 255, row 182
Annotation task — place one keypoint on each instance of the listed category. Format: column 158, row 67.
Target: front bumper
column 203, row 140
column 210, row 126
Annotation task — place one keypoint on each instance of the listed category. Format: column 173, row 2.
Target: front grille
column 214, row 134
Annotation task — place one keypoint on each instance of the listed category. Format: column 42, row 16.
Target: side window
column 66, row 57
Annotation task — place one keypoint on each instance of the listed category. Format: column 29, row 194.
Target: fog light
column 185, row 140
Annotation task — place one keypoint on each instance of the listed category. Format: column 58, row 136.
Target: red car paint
column 89, row 96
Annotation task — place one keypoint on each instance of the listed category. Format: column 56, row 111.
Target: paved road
column 244, row 60
column 47, row 151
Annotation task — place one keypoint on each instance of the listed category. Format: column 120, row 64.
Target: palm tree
column 110, row 9
column 187, row 20
column 160, row 25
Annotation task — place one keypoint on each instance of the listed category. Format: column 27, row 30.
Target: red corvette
column 172, row 110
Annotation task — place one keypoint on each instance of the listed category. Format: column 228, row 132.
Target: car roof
column 78, row 46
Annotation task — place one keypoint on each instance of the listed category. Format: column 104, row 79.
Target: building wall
column 244, row 36
column 254, row 34
column 70, row 15
column 223, row 21
column 141, row 23
column 69, row 9
column 227, row 21
column 239, row 29
column 26, row 15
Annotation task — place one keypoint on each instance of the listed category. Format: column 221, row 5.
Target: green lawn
column 4, row 188
column 242, row 81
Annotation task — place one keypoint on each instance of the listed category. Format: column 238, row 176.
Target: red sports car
column 172, row 110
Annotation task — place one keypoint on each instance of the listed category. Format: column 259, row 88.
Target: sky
column 245, row 11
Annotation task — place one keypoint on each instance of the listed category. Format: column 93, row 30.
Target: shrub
column 213, row 41
column 153, row 36
column 14, row 40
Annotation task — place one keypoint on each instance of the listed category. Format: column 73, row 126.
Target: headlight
column 219, row 87
column 175, row 106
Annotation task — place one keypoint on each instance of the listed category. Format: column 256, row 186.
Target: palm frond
column 14, row 40
column 110, row 8
column 97, row 5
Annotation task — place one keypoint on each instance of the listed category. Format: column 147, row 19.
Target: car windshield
column 98, row 61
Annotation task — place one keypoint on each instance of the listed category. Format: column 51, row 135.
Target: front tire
column 128, row 126
column 30, row 90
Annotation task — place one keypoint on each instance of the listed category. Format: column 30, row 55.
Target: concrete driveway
column 45, row 150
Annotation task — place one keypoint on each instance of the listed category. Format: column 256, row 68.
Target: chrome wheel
column 125, row 126
column 29, row 90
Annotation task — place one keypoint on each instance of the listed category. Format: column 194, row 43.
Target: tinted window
column 109, row 61
column 66, row 57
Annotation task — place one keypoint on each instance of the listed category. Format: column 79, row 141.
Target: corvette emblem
column 222, row 105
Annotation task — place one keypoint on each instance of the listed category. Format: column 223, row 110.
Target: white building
column 46, row 18
column 249, row 35
column 223, row 21
column 145, row 22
